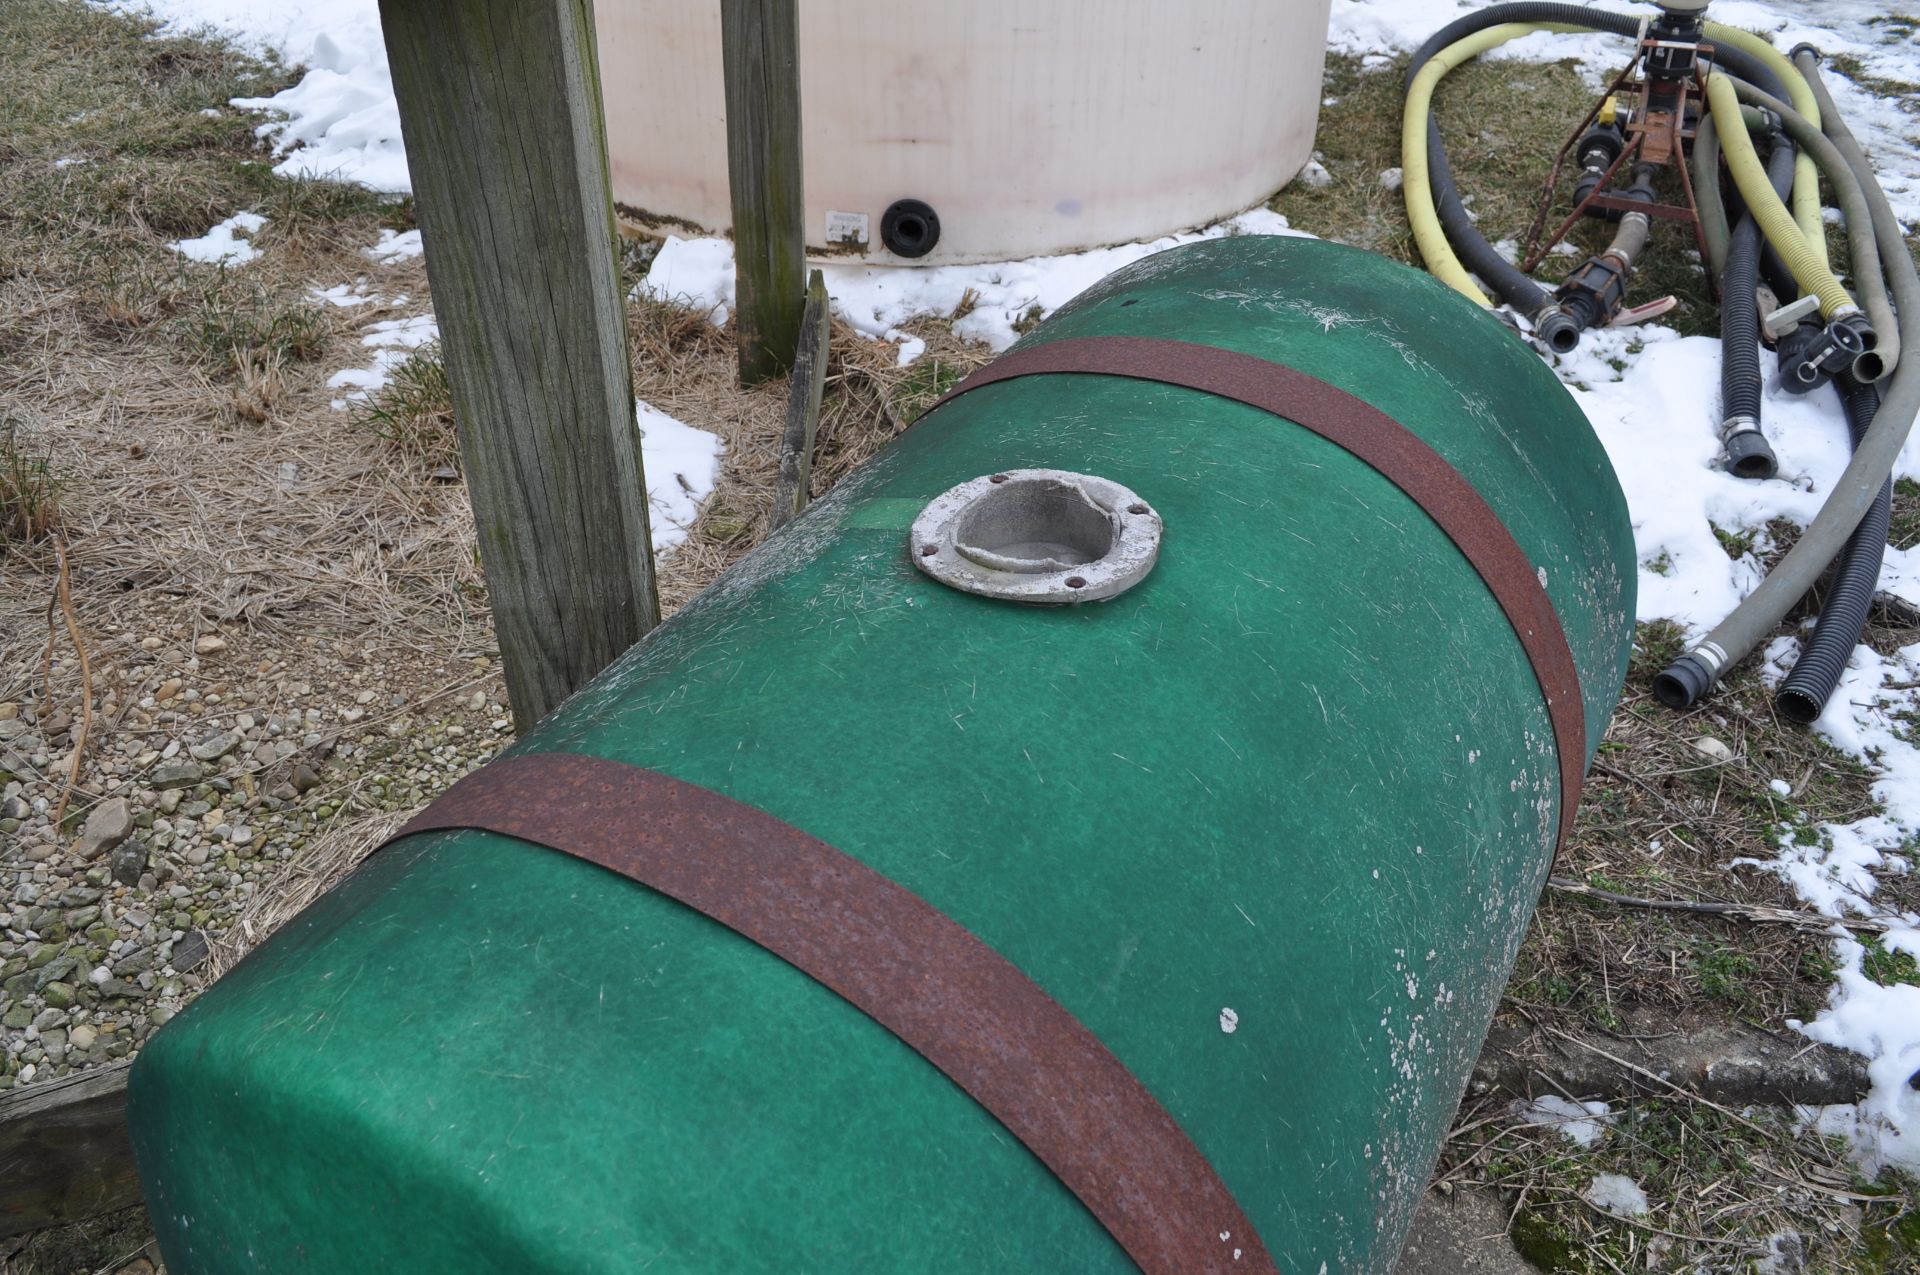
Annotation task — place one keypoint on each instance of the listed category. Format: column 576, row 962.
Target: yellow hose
column 1806, row 175
column 1416, row 183
column 1810, row 269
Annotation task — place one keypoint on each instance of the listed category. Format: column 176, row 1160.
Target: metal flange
column 1044, row 536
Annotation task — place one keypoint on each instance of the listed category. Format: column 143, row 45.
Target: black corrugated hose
column 1843, row 617
column 1748, row 453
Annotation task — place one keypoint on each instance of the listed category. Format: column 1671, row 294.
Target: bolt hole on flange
column 1038, row 535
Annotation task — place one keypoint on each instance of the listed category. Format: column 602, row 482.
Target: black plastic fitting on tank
column 1812, row 355
column 1685, row 680
column 909, row 228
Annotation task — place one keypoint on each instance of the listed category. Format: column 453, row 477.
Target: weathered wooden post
column 505, row 135
column 760, row 47
column 791, row 490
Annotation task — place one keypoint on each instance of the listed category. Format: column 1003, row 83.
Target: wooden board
column 791, row 491
column 759, row 42
column 64, row 1154
column 500, row 107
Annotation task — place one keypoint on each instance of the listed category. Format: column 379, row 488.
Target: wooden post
column 792, row 489
column 64, row 1154
column 506, row 140
column 760, row 44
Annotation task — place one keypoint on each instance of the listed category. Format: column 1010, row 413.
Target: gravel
column 206, row 780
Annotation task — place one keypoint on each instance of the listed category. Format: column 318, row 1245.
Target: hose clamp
column 1740, row 424
column 1711, row 655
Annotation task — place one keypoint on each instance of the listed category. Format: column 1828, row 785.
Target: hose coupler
column 1748, row 454
column 1690, row 676
column 1559, row 329
column 1811, row 355
column 1589, row 298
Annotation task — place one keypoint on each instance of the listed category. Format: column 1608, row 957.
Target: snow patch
column 347, row 295
column 223, row 245
column 1581, row 1123
column 393, row 342
column 999, row 299
column 394, row 248
column 682, row 465
column 1617, row 1194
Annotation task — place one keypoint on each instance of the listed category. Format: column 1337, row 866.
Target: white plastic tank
column 1026, row 126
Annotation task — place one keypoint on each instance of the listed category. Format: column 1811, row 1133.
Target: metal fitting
column 1811, row 355
column 1748, row 454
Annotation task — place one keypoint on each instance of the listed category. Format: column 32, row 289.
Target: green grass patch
column 1905, row 530
column 925, row 382
column 235, row 323
column 29, row 492
column 413, row 412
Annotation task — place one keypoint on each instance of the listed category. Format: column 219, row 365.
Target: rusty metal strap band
column 919, row 974
column 1369, row 434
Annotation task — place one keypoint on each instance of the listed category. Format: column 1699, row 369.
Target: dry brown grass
column 686, row 367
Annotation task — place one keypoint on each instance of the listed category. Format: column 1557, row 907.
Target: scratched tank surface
column 1271, row 823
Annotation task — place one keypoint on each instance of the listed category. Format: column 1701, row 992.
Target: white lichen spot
column 1229, row 1023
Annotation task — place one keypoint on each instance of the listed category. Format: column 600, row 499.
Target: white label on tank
column 846, row 227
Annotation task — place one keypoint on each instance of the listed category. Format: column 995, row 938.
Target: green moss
column 1724, row 973
column 1888, row 968
column 1543, row 1243
column 1890, row 1227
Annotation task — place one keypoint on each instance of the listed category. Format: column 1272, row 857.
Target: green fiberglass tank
column 981, row 936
